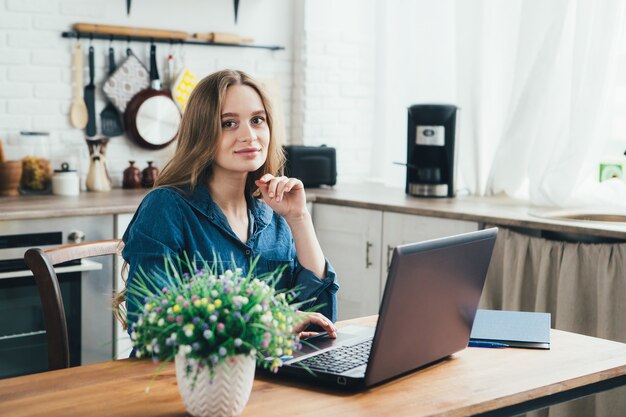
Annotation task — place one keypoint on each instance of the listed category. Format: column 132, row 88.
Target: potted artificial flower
column 216, row 326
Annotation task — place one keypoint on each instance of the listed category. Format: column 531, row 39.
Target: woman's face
column 245, row 133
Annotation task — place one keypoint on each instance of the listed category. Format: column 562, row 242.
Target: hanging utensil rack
column 131, row 38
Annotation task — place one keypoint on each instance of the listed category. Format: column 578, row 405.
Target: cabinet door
column 123, row 345
column 350, row 238
column 400, row 229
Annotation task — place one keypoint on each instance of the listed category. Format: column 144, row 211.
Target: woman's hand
column 314, row 318
column 284, row 195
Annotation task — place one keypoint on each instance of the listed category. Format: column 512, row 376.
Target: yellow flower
column 218, row 303
column 210, row 307
column 176, row 308
column 205, row 301
column 288, row 351
column 197, row 303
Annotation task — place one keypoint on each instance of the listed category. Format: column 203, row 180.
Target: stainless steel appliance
column 86, row 285
column 431, row 150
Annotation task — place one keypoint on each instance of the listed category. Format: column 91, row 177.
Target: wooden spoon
column 78, row 109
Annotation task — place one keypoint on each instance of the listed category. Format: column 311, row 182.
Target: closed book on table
column 515, row 328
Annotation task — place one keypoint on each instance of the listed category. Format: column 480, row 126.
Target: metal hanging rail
column 131, row 38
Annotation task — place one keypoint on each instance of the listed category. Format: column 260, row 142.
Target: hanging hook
column 91, row 39
column 129, row 51
column 110, row 41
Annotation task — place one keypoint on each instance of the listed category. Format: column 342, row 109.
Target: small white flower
column 214, row 294
column 161, row 322
column 207, row 334
column 133, row 336
column 173, row 336
column 138, row 354
column 184, row 349
column 228, row 273
column 238, row 270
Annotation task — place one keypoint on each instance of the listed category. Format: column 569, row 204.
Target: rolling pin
column 129, row 31
column 218, row 37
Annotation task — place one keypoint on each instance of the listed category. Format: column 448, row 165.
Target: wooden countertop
column 491, row 210
column 472, row 381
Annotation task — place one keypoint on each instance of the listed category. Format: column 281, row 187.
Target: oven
column 86, row 285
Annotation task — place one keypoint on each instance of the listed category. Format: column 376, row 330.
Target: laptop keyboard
column 340, row 359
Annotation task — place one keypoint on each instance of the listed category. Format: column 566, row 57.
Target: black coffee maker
column 431, row 150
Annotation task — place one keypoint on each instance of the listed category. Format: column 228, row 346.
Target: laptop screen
column 430, row 301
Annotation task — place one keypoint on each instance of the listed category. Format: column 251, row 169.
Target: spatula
column 78, row 109
column 110, row 118
column 90, row 97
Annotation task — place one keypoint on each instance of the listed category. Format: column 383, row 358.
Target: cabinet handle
column 368, row 245
column 389, row 253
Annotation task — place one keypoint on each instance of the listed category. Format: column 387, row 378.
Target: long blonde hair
column 201, row 130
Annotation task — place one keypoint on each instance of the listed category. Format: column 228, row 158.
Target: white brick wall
column 334, row 89
column 36, row 80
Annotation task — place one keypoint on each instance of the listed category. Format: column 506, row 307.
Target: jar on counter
column 65, row 181
column 149, row 175
column 132, row 176
column 36, row 166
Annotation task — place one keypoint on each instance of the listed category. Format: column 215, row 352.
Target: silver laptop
column 428, row 308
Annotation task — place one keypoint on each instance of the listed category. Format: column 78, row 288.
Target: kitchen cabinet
column 123, row 345
column 359, row 244
column 399, row 229
column 351, row 240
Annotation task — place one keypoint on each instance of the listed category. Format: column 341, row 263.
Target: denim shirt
column 172, row 221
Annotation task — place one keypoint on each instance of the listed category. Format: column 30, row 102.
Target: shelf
column 86, row 35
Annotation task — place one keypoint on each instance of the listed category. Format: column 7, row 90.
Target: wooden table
column 473, row 381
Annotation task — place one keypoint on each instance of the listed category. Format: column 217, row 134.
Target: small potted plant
column 216, row 325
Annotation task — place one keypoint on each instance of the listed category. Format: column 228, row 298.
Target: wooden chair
column 41, row 264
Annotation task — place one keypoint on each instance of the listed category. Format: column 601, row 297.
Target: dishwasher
column 86, row 285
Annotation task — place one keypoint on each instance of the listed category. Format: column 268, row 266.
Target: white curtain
column 564, row 55
column 532, row 78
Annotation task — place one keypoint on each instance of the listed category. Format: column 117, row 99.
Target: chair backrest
column 41, row 264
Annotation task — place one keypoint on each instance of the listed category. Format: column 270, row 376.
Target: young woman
column 204, row 202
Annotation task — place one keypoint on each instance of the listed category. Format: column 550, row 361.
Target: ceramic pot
column 149, row 175
column 226, row 395
column 10, row 175
column 132, row 176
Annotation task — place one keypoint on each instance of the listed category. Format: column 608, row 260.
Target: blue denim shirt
column 171, row 221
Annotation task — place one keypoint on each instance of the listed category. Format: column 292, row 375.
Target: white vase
column 225, row 395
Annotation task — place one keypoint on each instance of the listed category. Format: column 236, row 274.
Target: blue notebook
column 514, row 328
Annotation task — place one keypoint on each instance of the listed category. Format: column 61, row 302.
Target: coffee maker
column 431, row 150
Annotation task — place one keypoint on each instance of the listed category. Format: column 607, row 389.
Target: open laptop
column 426, row 314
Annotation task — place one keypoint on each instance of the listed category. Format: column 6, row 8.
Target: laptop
column 426, row 314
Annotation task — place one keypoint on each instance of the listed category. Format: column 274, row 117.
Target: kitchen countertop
column 501, row 211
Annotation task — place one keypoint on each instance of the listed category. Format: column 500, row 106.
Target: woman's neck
column 228, row 192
